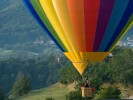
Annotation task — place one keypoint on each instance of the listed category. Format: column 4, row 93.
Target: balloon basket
column 87, row 92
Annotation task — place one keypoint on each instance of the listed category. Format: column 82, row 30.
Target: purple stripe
column 105, row 11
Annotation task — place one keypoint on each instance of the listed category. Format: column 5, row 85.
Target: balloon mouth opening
column 87, row 61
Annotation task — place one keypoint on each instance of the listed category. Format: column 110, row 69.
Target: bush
column 74, row 95
column 108, row 93
column 50, row 98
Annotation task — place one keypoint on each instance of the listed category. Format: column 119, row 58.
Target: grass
column 56, row 91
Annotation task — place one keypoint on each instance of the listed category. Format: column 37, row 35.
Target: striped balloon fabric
column 85, row 30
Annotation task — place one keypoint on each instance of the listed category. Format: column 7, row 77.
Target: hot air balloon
column 85, row 30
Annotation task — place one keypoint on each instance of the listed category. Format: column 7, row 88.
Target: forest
column 44, row 72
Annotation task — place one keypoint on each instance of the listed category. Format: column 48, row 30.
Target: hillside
column 56, row 91
column 20, row 32
column 17, row 25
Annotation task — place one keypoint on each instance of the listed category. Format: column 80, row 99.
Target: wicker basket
column 86, row 92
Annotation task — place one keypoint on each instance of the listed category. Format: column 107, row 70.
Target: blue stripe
column 35, row 15
column 124, row 20
column 118, row 11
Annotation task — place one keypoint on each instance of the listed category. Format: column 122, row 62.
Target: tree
column 108, row 93
column 96, row 82
column 21, row 86
column 74, row 95
column 68, row 75
column 2, row 95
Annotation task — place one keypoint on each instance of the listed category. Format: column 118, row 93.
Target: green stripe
column 36, row 4
column 123, row 31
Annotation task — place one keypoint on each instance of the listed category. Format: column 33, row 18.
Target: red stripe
column 91, row 9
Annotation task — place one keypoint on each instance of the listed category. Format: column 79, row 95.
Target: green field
column 56, row 91
column 16, row 53
column 4, row 52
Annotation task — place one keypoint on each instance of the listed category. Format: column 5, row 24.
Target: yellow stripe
column 50, row 12
column 62, row 12
column 70, row 56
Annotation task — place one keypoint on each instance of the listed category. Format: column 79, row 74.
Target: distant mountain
column 19, row 31
column 17, row 26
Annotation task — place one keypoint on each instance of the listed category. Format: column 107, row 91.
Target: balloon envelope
column 85, row 30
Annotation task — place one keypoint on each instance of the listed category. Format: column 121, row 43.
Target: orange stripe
column 76, row 10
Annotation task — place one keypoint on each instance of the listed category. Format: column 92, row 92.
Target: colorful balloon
column 85, row 30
